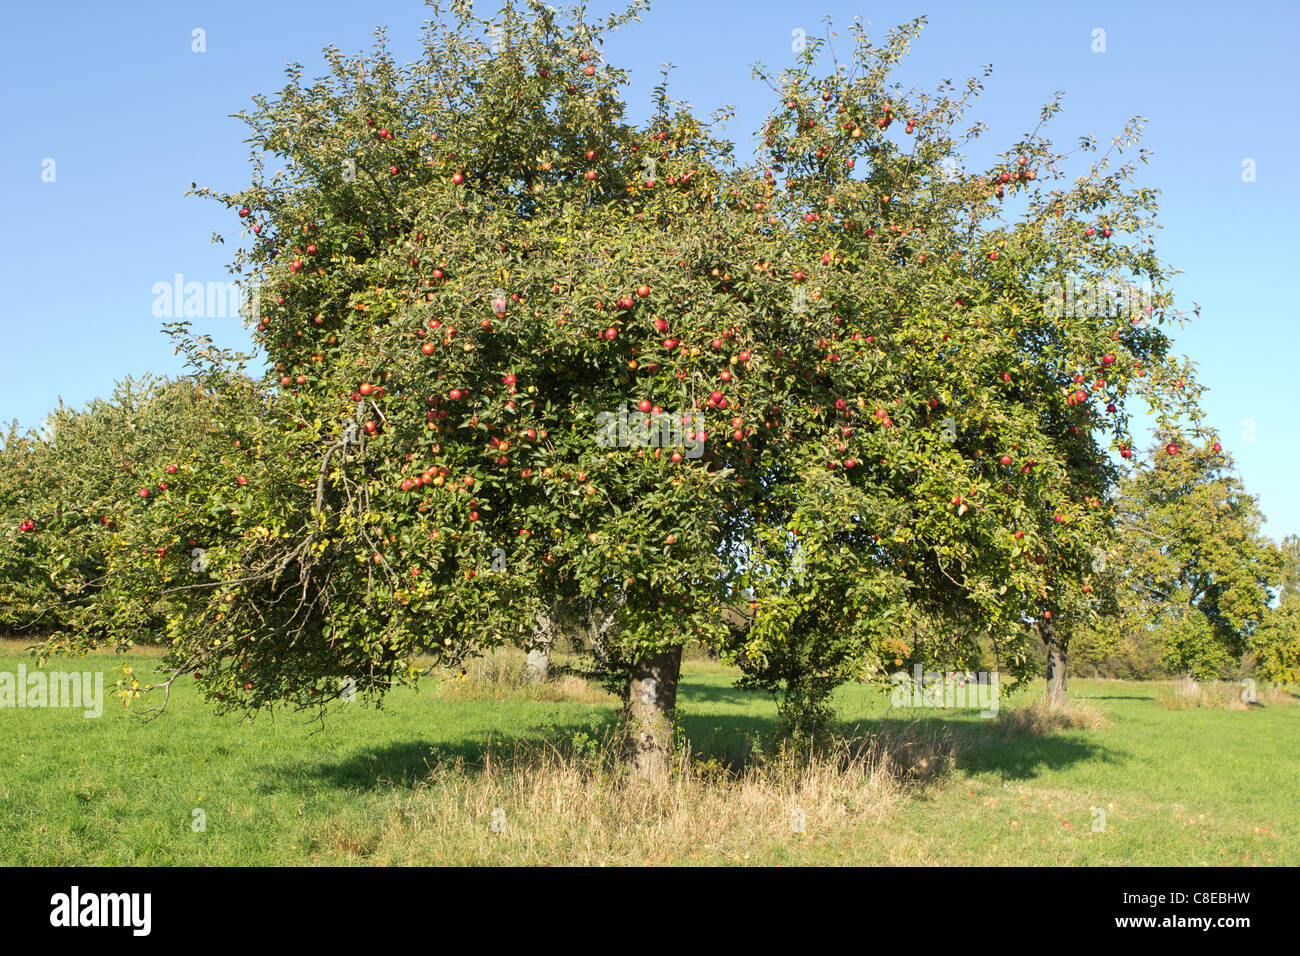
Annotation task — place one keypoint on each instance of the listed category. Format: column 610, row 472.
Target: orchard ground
column 440, row 776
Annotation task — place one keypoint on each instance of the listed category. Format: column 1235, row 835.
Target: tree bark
column 650, row 713
column 1055, row 644
column 545, row 631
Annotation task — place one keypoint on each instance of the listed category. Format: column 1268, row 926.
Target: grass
column 422, row 780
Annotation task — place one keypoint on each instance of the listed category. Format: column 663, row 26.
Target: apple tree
column 951, row 413
column 66, row 493
column 510, row 376
column 527, row 356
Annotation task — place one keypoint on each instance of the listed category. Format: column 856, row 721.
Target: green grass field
column 407, row 784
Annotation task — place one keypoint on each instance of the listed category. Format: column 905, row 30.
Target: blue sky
column 114, row 94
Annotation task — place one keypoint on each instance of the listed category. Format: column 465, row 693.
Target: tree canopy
column 526, row 351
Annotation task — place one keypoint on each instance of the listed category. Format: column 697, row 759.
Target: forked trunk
column 1052, row 640
column 651, row 707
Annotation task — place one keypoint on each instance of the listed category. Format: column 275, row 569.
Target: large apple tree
column 479, row 285
column 483, row 287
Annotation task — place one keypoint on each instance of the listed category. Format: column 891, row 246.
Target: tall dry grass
column 499, row 675
column 1221, row 695
column 542, row 804
column 1039, row 718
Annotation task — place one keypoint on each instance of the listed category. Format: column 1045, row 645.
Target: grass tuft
column 1039, row 717
column 1222, row 695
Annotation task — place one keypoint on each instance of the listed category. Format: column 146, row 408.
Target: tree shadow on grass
column 729, row 737
column 988, row 747
column 407, row 762
column 692, row 692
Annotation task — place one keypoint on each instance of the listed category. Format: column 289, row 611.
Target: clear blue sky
column 131, row 116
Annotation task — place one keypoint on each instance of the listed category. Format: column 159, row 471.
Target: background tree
column 66, row 491
column 1275, row 644
column 1196, row 568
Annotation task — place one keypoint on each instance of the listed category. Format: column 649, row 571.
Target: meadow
column 482, row 770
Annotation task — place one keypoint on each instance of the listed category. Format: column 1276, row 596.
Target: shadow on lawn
column 695, row 692
column 728, row 738
column 987, row 747
column 409, row 761
column 981, row 746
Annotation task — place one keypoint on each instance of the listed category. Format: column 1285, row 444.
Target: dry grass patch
column 541, row 804
column 1222, row 695
column 500, row 676
column 1041, row 718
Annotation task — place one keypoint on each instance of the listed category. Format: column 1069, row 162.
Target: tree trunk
column 651, row 708
column 1056, row 690
column 539, row 655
